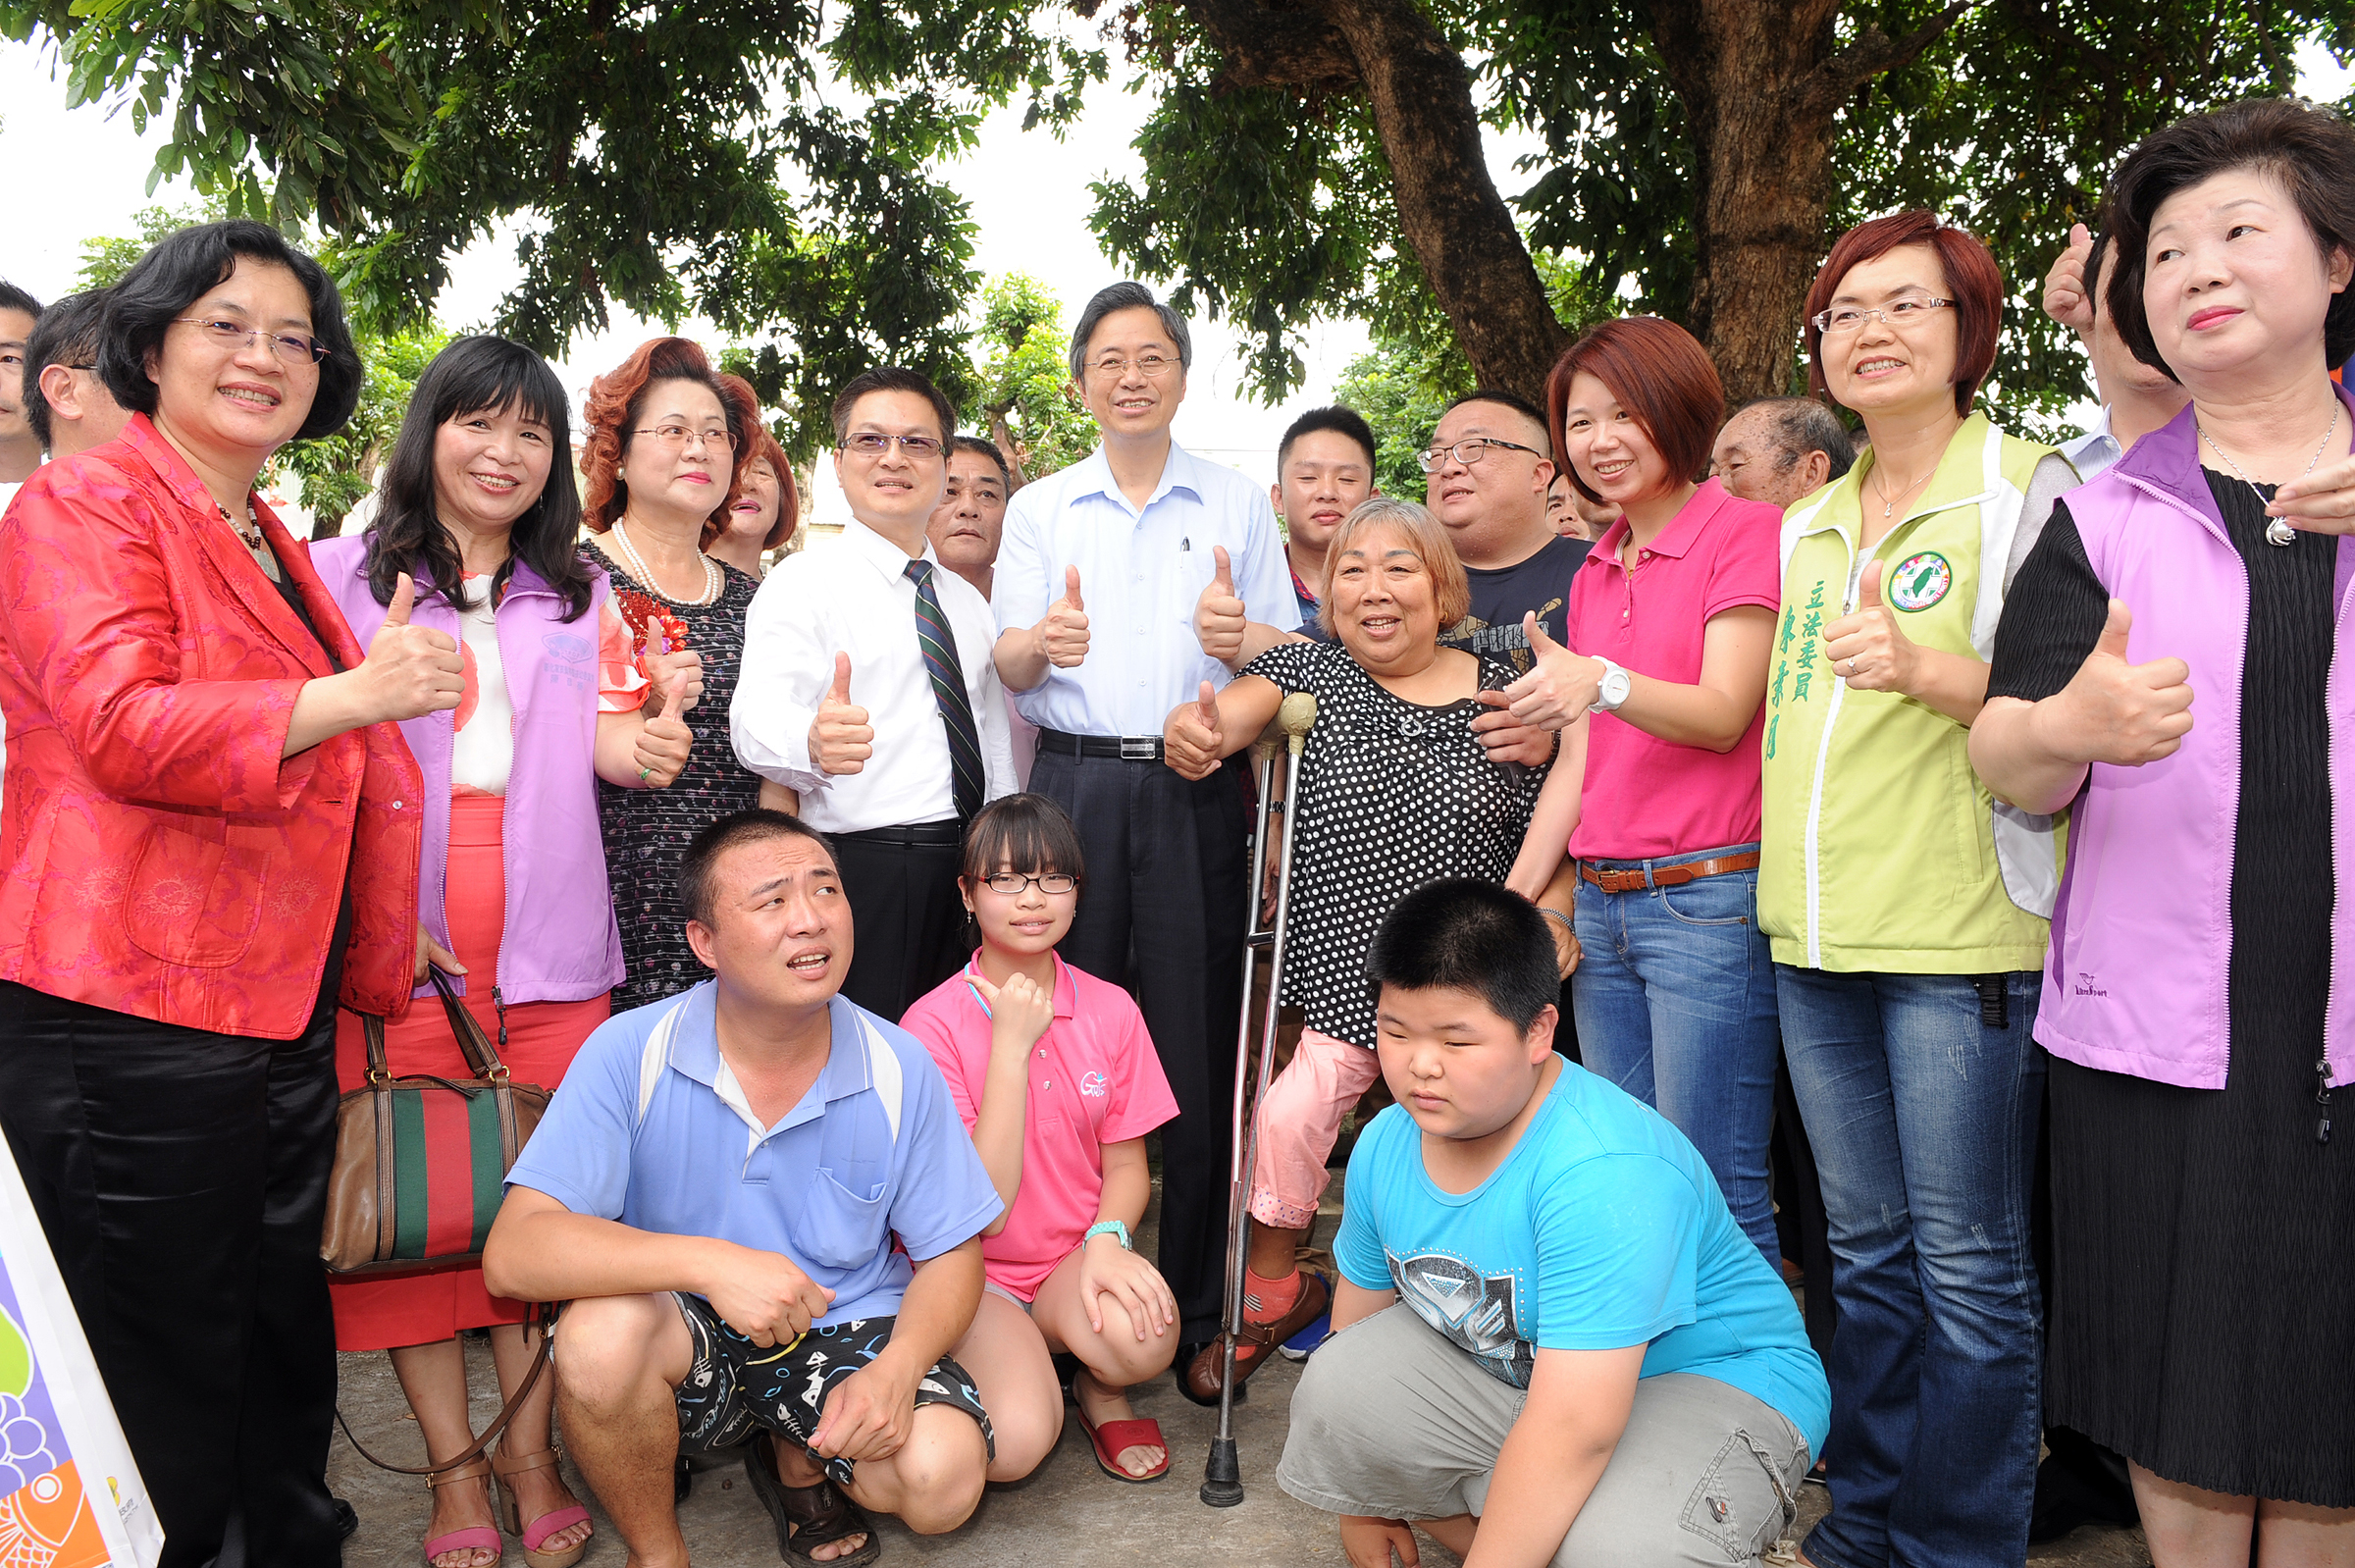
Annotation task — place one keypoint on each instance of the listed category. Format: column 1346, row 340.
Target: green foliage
column 107, row 257
column 769, row 164
column 1023, row 383
column 339, row 470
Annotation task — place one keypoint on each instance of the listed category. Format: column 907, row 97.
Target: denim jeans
column 1923, row 1117
column 1675, row 1003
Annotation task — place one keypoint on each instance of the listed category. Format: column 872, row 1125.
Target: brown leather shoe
column 1256, row 1343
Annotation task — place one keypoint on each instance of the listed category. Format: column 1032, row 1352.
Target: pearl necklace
column 2277, row 533
column 714, row 580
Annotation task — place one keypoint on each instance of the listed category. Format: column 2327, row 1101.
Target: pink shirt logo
column 1094, row 1085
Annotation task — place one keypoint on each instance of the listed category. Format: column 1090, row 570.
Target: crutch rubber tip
column 1223, row 1475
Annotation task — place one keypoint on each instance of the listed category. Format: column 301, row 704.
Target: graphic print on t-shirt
column 1474, row 1312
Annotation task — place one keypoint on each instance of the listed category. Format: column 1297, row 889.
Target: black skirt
column 2203, row 1239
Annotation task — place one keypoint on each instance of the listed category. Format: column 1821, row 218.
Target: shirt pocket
column 195, row 899
column 846, row 1214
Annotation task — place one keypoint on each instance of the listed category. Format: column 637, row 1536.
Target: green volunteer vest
column 1882, row 852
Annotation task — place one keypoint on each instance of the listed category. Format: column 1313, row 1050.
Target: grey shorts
column 1395, row 1421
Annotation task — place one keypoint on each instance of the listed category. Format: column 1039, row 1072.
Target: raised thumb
column 674, row 693
column 1535, row 630
column 1868, row 592
column 2114, row 629
column 842, row 680
column 404, row 599
column 1224, row 580
column 1070, row 586
column 1210, row 704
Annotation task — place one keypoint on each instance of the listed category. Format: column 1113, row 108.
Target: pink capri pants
column 1299, row 1122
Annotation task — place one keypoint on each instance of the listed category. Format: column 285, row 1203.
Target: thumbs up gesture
column 840, row 738
column 1867, row 649
column 658, row 670
column 2068, row 292
column 664, row 740
column 1560, row 685
column 1195, row 737
column 1063, row 635
column 1218, row 614
column 2115, row 711
column 410, row 671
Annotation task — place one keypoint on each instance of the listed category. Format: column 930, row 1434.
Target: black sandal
column 807, row 1516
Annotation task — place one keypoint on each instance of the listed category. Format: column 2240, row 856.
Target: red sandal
column 474, row 1538
column 1114, row 1437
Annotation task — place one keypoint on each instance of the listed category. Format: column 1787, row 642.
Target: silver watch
column 1616, row 684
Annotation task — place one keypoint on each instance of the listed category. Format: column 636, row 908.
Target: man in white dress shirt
column 892, row 733
column 1099, row 579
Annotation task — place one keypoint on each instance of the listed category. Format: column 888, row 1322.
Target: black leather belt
column 1120, row 748
column 911, row 836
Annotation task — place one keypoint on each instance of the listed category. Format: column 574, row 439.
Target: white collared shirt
column 1140, row 573
column 2094, row 450
column 852, row 596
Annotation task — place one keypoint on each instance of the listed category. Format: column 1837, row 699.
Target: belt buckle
column 1140, row 748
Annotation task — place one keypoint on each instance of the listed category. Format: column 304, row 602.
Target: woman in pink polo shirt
column 1657, row 795
column 1059, row 1083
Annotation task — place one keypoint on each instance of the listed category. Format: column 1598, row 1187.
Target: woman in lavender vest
column 2170, row 661
column 476, row 534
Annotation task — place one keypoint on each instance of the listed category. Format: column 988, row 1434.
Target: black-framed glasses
column 1150, row 366
column 1049, row 883
column 874, row 444
column 1469, row 452
column 676, row 437
column 1911, row 311
column 293, row 347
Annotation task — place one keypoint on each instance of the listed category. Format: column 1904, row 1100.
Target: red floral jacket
column 157, row 856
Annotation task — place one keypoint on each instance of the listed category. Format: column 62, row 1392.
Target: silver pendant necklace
column 712, row 580
column 2277, row 533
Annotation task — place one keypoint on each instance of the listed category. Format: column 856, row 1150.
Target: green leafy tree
column 1023, row 395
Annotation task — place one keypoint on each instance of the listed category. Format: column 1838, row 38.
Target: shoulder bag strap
column 546, row 1321
column 481, row 1055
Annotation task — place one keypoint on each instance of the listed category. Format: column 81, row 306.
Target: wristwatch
column 1113, row 1227
column 1616, row 684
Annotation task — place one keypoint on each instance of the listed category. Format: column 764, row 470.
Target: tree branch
column 1872, row 54
column 1269, row 47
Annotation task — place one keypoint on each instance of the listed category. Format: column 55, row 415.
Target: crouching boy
column 1552, row 1343
column 715, row 1189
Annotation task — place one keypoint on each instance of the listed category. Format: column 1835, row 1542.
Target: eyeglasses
column 675, row 437
column 1468, row 452
column 295, row 348
column 1012, row 882
column 1841, row 320
column 874, row 444
column 1150, row 366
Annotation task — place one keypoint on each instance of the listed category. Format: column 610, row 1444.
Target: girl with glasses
column 1058, row 1083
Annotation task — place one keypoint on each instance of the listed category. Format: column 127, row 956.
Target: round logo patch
column 1920, row 581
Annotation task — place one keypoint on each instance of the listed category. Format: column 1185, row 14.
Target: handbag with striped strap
column 421, row 1162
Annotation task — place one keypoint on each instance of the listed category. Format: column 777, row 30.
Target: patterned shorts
column 734, row 1385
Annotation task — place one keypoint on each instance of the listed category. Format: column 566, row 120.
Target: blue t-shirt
column 1603, row 1228
column 650, row 1127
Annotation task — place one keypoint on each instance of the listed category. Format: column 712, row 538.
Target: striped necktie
column 939, row 648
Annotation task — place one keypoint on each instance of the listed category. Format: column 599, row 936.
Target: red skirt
column 412, row 1309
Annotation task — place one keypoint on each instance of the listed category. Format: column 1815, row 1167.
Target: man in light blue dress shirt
column 1100, row 576
column 2136, row 398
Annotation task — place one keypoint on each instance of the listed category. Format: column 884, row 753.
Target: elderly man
column 1777, row 450
column 2136, row 398
column 970, row 519
column 717, row 1188
column 67, row 405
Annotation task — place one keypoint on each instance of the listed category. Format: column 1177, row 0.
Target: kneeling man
column 1552, row 1341
column 715, row 1189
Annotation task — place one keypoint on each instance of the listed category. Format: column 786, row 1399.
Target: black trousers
column 908, row 924
column 182, row 1179
column 1164, row 904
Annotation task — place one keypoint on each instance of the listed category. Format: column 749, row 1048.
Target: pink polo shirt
column 1647, row 798
column 1095, row 1079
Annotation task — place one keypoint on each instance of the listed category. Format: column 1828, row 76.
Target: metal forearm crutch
column 1222, row 1476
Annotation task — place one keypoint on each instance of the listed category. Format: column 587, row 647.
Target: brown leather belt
column 1628, row 881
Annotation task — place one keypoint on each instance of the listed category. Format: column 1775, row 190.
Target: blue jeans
column 1923, row 1117
column 1675, row 1003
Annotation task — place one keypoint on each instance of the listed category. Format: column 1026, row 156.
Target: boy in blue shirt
column 1553, row 1343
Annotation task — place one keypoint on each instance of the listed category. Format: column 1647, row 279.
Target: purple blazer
column 560, row 943
column 2135, row 980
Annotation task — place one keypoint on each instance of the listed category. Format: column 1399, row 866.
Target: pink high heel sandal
column 510, row 1512
column 474, row 1538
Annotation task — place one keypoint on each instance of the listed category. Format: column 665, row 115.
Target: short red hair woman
column 1906, row 910
column 1656, row 793
column 669, row 441
column 767, row 502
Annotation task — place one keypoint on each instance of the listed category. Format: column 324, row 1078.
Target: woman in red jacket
column 209, row 834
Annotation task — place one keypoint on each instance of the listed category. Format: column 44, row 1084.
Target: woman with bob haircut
column 668, row 442
column 1396, row 790
column 209, row 837
column 1650, row 821
column 1906, row 907
column 2175, row 662
column 478, row 509
column 768, row 505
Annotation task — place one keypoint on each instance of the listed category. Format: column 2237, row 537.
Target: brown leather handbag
column 421, row 1162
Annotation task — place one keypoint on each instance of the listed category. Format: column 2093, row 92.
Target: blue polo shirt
column 650, row 1127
